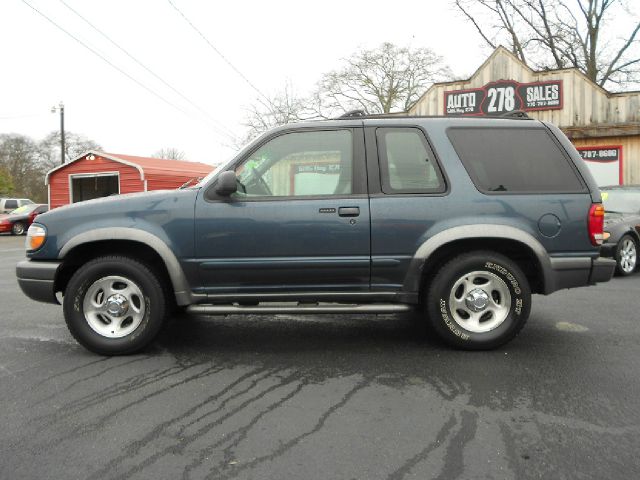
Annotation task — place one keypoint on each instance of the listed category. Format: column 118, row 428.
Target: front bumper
column 37, row 279
column 571, row 272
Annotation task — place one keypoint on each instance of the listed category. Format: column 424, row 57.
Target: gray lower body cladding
column 37, row 279
column 571, row 272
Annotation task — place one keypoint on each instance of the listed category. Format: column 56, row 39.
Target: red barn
column 98, row 174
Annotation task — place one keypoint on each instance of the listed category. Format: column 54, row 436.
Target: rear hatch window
column 520, row 160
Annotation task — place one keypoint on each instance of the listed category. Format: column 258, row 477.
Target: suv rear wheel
column 114, row 305
column 478, row 301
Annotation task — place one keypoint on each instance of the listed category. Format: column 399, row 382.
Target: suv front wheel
column 114, row 305
column 478, row 301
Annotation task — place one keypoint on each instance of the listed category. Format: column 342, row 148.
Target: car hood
column 115, row 204
column 13, row 218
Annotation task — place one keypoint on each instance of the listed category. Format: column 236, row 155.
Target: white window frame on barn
column 91, row 175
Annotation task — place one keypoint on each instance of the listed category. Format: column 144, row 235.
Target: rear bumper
column 602, row 270
column 571, row 272
column 608, row 249
column 37, row 279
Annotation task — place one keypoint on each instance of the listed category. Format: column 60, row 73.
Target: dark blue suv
column 460, row 218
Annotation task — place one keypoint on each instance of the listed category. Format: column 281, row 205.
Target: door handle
column 349, row 211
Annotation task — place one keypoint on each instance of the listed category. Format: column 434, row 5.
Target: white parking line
column 12, row 250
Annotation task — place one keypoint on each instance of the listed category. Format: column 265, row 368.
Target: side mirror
column 227, row 183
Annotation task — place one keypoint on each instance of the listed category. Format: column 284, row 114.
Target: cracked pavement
column 324, row 397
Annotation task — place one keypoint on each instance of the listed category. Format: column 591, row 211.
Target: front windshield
column 621, row 201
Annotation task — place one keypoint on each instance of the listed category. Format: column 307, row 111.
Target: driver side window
column 299, row 164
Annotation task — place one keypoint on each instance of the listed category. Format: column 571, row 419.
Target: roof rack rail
column 516, row 114
column 353, row 113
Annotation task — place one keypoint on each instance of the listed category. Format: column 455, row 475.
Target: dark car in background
column 622, row 225
column 18, row 221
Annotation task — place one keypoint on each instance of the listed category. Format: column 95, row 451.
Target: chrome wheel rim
column 18, row 229
column 114, row 306
column 628, row 255
column 480, row 301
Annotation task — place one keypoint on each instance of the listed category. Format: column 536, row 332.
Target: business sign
column 605, row 163
column 601, row 154
column 504, row 96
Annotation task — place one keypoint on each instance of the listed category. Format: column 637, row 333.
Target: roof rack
column 353, row 113
column 516, row 114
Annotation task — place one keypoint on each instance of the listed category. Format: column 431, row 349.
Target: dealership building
column 604, row 126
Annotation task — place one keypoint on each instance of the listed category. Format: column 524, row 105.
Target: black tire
column 18, row 229
column 506, row 285
column 153, row 297
column 626, row 255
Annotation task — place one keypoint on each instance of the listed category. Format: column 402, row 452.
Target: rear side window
column 10, row 204
column 406, row 162
column 515, row 160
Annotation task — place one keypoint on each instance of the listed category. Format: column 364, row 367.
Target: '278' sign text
column 503, row 96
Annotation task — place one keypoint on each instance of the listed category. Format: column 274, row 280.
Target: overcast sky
column 269, row 42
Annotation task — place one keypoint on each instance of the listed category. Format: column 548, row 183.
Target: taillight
column 596, row 224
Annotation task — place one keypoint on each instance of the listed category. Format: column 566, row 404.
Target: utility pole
column 60, row 108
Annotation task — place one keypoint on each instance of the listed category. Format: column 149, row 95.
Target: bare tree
column 27, row 161
column 169, row 153
column 75, row 144
column 551, row 34
column 282, row 108
column 381, row 80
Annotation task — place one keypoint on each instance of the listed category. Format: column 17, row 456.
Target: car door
column 298, row 222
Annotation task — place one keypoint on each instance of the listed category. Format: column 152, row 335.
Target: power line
column 122, row 49
column 103, row 58
column 228, row 62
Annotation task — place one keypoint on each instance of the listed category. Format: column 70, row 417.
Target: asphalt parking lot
column 326, row 397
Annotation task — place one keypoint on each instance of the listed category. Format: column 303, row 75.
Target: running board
column 299, row 308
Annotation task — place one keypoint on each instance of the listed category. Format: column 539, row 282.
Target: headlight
column 36, row 235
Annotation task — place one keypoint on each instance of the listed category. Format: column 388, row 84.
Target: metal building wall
column 590, row 115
